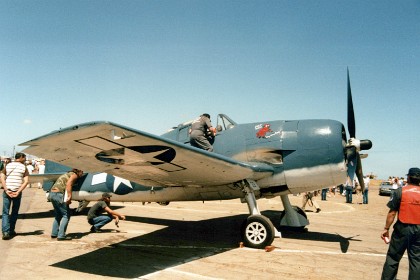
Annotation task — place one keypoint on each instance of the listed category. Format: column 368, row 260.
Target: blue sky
column 151, row 65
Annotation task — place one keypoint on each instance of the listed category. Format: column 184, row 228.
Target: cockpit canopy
column 224, row 122
column 181, row 132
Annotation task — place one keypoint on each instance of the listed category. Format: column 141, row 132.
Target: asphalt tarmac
column 196, row 240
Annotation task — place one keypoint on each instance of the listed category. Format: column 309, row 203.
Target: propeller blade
column 359, row 173
column 351, row 155
column 354, row 162
column 351, row 124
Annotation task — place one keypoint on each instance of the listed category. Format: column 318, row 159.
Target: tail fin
column 52, row 167
column 52, row 172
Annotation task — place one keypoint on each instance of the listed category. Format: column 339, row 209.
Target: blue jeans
column 324, row 194
column 62, row 214
column 8, row 223
column 365, row 196
column 100, row 221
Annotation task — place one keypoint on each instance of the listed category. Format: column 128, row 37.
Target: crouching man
column 100, row 214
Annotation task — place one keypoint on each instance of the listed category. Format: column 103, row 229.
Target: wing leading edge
column 140, row 157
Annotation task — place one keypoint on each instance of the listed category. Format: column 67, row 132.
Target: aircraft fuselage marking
column 154, row 155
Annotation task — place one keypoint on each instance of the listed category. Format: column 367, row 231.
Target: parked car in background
column 385, row 188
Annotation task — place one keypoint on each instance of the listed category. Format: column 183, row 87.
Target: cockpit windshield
column 224, row 122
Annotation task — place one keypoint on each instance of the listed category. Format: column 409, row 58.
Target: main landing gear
column 258, row 231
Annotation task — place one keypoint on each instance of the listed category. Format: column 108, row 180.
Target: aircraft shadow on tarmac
column 178, row 243
column 303, row 234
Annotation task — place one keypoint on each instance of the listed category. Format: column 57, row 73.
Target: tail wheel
column 258, row 232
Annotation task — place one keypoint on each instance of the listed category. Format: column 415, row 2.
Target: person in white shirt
column 395, row 183
column 366, row 180
column 14, row 178
column 30, row 168
column 41, row 170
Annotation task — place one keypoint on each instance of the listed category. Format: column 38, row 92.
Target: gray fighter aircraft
column 250, row 161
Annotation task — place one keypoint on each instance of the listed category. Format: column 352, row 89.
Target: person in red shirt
column 406, row 235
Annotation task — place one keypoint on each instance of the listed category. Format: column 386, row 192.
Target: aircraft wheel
column 258, row 232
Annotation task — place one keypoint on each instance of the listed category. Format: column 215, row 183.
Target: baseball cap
column 104, row 195
column 414, row 172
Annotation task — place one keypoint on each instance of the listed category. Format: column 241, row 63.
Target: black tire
column 258, row 232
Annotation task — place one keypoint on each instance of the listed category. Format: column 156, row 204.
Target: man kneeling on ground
column 96, row 216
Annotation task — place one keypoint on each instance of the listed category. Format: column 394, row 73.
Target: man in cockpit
column 201, row 131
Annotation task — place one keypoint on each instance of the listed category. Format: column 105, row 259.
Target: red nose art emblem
column 263, row 131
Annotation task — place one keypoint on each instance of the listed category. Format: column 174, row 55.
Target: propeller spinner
column 354, row 146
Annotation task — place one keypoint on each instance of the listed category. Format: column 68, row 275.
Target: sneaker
column 6, row 236
column 64, row 238
column 13, row 234
column 53, row 236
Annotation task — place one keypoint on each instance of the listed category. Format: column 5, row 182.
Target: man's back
column 15, row 171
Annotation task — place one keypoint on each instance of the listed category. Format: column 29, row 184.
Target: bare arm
column 24, row 184
column 388, row 223
column 210, row 126
column 69, row 187
column 3, row 180
column 114, row 214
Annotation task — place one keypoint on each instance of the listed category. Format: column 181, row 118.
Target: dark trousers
column 349, row 195
column 404, row 237
column 324, row 194
column 198, row 139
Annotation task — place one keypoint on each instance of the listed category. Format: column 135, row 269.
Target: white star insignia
column 119, row 180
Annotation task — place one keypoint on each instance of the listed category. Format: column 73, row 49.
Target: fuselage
column 305, row 155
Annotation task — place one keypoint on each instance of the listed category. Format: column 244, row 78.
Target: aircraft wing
column 140, row 157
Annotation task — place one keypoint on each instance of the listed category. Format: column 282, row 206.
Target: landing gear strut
column 258, row 231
